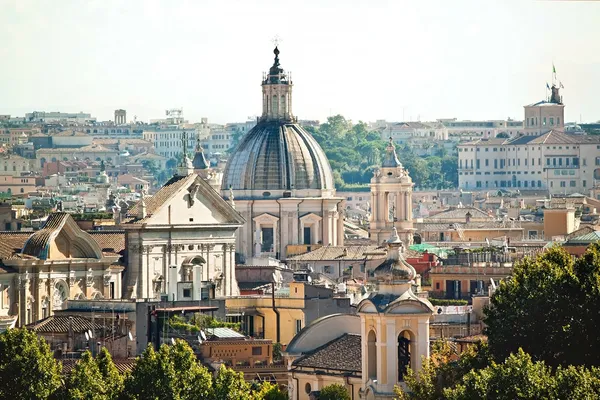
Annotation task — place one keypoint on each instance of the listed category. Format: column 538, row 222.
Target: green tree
column 518, row 378
column 548, row 308
column 171, row 373
column 28, row 370
column 268, row 391
column 85, row 382
column 110, row 374
column 442, row 370
column 230, row 385
column 334, row 392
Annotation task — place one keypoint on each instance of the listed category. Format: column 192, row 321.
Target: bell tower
column 394, row 325
column 277, row 93
column 391, row 199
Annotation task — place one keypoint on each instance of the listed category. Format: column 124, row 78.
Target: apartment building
column 167, row 139
column 459, row 130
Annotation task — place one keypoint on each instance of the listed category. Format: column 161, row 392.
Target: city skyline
column 381, row 61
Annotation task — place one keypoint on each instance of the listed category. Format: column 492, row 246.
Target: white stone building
column 181, row 241
column 545, row 158
column 281, row 180
column 167, row 138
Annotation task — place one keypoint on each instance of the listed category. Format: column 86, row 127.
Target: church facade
column 41, row 271
column 281, row 180
column 181, row 241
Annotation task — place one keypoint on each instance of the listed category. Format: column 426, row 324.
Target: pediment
column 310, row 217
column 194, row 202
column 265, row 218
column 367, row 307
column 409, row 306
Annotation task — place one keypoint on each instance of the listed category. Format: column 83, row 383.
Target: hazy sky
column 366, row 60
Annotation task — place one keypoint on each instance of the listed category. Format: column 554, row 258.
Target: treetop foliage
column 28, row 370
column 549, row 307
column 354, row 153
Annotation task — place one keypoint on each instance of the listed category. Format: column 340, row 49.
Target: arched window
column 403, row 354
column 275, row 106
column 60, row 295
column 372, row 355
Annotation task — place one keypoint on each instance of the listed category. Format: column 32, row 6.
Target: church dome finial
column 391, row 158
column 395, row 268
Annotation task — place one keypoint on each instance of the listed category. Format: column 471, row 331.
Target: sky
column 367, row 60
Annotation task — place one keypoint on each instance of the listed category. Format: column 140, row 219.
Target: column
column 275, row 241
column 422, row 344
column 392, row 352
column 257, row 240
column 225, row 272
column 340, row 229
column 326, row 228
column 381, row 347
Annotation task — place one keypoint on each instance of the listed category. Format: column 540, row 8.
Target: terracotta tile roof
column 337, row 253
column 122, row 365
column 341, row 354
column 159, row 198
column 111, row 242
column 12, row 242
column 459, row 213
column 60, row 324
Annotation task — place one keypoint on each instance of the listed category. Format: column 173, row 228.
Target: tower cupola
column 277, row 93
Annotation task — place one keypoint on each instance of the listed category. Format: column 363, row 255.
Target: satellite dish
column 90, row 334
column 439, row 311
column 173, row 341
column 130, row 336
column 487, row 241
column 87, row 337
column 203, row 335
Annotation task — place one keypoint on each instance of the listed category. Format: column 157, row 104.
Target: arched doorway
column 372, row 355
column 404, row 354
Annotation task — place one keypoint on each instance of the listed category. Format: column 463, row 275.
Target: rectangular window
column 572, row 183
column 298, row 325
column 544, row 121
column 495, row 163
column 563, row 184
column 477, row 163
column 584, row 183
column 327, row 269
column 257, row 351
column 487, row 162
column 551, row 121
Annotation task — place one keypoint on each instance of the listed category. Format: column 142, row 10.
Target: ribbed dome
column 278, row 155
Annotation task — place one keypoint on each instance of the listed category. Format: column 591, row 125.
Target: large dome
column 278, row 156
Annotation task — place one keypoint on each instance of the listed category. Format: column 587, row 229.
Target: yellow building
column 281, row 316
column 369, row 353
